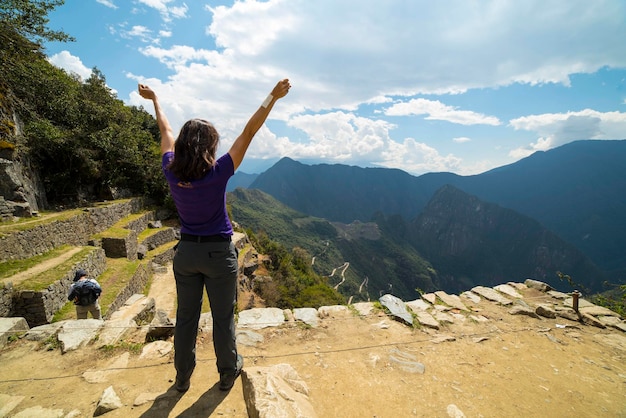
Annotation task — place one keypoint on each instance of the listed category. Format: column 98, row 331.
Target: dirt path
column 41, row 267
column 163, row 290
column 509, row 366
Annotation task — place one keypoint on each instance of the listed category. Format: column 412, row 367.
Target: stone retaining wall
column 160, row 238
column 45, row 237
column 164, row 257
column 121, row 247
column 6, row 299
column 75, row 231
column 141, row 223
column 105, row 217
column 38, row 307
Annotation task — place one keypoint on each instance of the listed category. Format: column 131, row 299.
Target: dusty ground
column 510, row 366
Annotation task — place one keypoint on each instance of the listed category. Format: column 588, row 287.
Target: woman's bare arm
column 240, row 146
column 167, row 136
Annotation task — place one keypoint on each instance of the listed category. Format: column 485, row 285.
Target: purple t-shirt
column 201, row 204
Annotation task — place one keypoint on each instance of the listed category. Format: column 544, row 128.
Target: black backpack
column 87, row 292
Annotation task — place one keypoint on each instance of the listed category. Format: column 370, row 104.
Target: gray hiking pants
column 93, row 309
column 211, row 266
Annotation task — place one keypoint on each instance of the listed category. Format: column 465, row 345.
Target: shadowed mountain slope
column 470, row 242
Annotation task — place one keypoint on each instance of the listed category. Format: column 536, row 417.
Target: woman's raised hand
column 281, row 89
column 146, row 92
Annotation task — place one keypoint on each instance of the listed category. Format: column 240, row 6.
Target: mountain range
column 558, row 210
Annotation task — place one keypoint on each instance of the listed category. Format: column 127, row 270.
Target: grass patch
column 354, row 310
column 15, row 337
column 148, row 232
column 116, row 277
column 12, row 267
column 43, row 280
column 51, row 343
column 160, row 249
column 416, row 322
column 113, row 232
column 68, row 311
column 378, row 307
column 122, row 347
column 129, row 218
column 146, row 289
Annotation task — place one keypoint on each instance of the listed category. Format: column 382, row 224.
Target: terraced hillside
column 119, row 243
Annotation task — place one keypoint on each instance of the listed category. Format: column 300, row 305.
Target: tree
column 29, row 19
column 23, row 29
column 84, row 143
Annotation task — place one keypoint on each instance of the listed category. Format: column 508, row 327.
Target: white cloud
column 442, row 47
column 461, row 139
column 70, row 64
column 180, row 56
column 555, row 129
column 167, row 12
column 248, row 27
column 416, row 157
column 341, row 136
column 342, row 56
column 107, row 3
column 140, row 32
column 436, row 110
column 338, row 62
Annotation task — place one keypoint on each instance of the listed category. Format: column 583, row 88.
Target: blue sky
column 423, row 86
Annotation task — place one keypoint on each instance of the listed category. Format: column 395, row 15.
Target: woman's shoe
column 227, row 380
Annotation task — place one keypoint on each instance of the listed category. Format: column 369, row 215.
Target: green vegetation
column 122, row 346
column 614, row 300
column 51, row 343
column 82, row 140
column 148, row 232
column 294, row 284
column 113, row 232
column 68, row 311
column 114, row 279
column 388, row 262
column 379, row 307
column 161, row 249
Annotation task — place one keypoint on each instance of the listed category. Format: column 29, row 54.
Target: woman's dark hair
column 194, row 150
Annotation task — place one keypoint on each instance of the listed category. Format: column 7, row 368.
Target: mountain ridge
column 419, row 256
column 481, row 243
column 578, row 191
